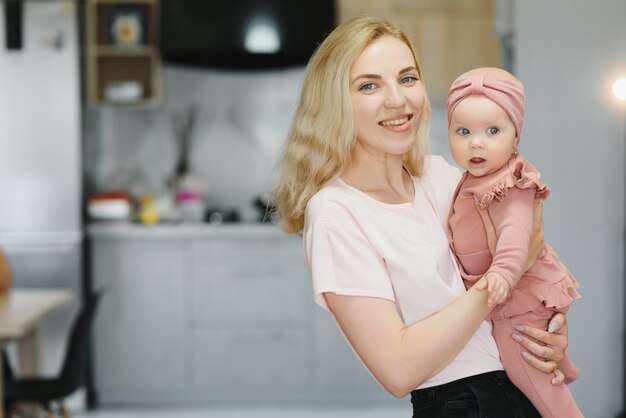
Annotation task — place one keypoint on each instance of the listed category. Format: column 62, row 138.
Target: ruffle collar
column 516, row 173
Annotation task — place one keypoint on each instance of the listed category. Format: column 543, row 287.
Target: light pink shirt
column 356, row 245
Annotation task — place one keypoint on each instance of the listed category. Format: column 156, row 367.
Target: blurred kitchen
column 137, row 160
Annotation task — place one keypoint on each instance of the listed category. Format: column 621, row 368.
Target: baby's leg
column 551, row 401
column 569, row 369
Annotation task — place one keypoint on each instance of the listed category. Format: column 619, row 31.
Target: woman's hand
column 551, row 346
column 536, row 243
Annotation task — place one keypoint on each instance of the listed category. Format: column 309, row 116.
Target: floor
column 400, row 408
column 260, row 412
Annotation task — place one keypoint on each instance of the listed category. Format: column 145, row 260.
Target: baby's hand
column 497, row 287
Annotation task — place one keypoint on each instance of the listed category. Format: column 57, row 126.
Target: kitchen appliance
column 243, row 34
column 40, row 174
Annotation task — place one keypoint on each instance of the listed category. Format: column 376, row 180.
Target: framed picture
column 127, row 26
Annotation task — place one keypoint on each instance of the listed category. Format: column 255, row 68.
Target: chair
column 5, row 274
column 47, row 391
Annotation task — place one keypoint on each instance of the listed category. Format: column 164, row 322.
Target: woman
column 355, row 179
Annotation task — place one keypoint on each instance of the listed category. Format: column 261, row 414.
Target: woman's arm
column 403, row 357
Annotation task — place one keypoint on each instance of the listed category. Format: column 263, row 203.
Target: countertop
column 104, row 230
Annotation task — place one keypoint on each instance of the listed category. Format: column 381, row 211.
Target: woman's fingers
column 557, row 339
column 551, row 346
column 547, row 367
column 559, row 377
column 545, row 349
column 558, row 324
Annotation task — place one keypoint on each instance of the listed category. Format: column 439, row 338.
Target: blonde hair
column 322, row 134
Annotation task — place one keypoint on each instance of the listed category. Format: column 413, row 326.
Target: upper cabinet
column 122, row 61
column 450, row 36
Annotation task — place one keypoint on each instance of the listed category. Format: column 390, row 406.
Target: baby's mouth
column 477, row 160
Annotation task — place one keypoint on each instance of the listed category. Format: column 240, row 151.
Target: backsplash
column 242, row 122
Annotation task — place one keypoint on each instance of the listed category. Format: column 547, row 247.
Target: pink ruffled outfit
column 547, row 287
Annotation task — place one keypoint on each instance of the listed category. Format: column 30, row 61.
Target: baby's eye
column 492, row 130
column 368, row 87
column 463, row 131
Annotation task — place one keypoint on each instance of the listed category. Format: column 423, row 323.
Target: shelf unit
column 106, row 64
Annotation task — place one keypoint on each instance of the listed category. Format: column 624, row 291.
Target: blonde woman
column 355, row 179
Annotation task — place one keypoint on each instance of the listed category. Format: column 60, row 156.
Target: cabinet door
column 251, row 301
column 257, row 280
column 139, row 330
column 256, row 363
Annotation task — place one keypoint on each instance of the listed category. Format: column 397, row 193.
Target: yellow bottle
column 148, row 214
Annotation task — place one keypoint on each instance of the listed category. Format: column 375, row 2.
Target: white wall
column 568, row 52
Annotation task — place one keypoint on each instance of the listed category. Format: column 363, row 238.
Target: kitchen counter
column 101, row 230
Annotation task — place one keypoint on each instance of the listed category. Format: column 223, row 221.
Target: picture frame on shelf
column 127, row 26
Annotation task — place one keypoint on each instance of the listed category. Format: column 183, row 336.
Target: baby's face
column 481, row 135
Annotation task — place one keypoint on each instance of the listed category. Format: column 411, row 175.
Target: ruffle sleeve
column 519, row 173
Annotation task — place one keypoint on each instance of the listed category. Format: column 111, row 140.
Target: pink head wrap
column 508, row 94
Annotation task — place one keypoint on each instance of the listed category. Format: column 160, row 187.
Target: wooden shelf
column 112, row 51
column 110, row 61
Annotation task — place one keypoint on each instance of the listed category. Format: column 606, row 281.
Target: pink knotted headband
column 508, row 94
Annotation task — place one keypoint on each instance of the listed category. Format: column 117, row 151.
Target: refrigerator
column 40, row 157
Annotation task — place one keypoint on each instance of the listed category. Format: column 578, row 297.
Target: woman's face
column 387, row 98
column 481, row 135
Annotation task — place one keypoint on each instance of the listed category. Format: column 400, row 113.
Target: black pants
column 488, row 395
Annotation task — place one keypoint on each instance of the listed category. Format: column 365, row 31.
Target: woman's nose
column 394, row 98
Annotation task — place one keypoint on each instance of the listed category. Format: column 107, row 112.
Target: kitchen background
column 567, row 53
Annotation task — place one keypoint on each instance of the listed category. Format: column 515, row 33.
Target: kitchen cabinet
column 200, row 313
column 139, row 338
column 249, row 316
column 122, row 61
column 450, row 36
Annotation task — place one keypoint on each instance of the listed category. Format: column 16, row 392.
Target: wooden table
column 21, row 313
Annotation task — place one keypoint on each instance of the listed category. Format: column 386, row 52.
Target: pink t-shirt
column 356, row 245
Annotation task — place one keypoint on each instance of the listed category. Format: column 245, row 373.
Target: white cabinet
column 215, row 314
column 251, row 302
column 139, row 334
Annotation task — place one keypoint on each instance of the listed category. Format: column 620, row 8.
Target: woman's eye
column 368, row 87
column 463, row 131
column 492, row 131
column 408, row 79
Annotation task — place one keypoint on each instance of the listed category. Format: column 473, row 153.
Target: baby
column 485, row 115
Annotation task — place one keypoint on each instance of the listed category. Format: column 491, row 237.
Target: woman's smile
column 396, row 122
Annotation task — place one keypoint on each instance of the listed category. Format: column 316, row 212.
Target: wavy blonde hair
column 322, row 134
